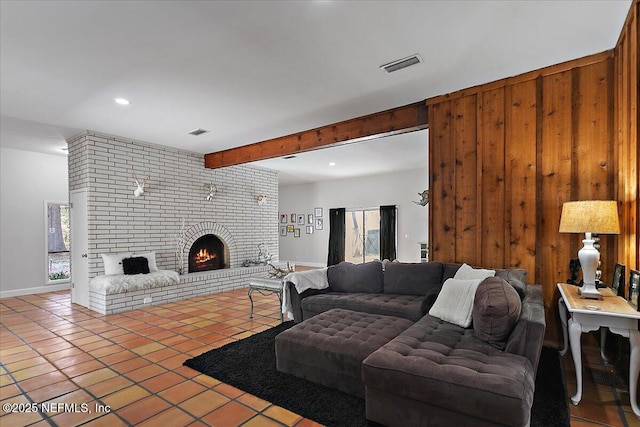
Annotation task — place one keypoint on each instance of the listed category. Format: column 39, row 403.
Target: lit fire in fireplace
column 203, row 256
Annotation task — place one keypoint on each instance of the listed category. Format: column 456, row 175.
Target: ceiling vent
column 401, row 63
column 197, row 132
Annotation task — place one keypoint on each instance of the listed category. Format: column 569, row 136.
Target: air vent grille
column 197, row 132
column 401, row 63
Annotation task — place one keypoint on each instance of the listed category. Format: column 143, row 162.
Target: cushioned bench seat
column 329, row 348
column 439, row 373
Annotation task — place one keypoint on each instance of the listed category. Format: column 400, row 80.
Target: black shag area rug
column 250, row 365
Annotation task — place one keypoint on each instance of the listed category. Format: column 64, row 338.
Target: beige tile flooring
column 81, row 363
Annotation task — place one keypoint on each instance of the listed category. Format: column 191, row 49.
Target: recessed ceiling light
column 122, row 101
column 332, row 164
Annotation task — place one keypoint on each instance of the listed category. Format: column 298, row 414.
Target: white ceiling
column 254, row 70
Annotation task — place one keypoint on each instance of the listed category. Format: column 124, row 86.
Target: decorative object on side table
column 280, row 272
column 617, row 285
column 574, row 268
column 634, row 288
column 589, row 216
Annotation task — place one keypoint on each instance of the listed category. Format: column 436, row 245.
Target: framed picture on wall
column 283, row 230
column 301, row 219
column 319, row 223
column 310, row 219
column 634, row 288
column 293, row 218
column 317, row 212
column 289, row 228
column 283, row 218
column 617, row 285
column 296, row 232
column 309, row 229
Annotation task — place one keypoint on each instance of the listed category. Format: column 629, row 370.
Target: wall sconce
column 262, row 199
column 211, row 190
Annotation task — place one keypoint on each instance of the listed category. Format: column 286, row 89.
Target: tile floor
column 82, row 363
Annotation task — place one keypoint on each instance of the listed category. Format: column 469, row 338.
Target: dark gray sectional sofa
column 435, row 372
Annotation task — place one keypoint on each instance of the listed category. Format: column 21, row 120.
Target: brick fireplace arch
column 196, row 231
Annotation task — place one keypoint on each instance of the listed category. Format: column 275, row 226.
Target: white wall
column 27, row 179
column 400, row 189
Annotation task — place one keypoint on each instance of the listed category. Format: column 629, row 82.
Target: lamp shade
column 590, row 216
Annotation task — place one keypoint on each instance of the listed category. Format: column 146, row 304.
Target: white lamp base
column 589, row 291
column 589, row 258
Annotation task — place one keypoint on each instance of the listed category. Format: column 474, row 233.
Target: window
column 57, row 240
column 362, row 235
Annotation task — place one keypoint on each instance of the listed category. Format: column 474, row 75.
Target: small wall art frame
column 634, row 288
column 617, row 284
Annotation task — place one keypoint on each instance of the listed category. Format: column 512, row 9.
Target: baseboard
column 36, row 290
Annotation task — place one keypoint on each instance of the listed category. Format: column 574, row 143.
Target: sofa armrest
column 528, row 335
column 296, row 299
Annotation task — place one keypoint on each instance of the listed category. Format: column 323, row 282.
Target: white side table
column 266, row 285
column 612, row 312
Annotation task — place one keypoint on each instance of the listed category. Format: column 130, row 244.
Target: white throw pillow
column 151, row 258
column 455, row 301
column 113, row 262
column 466, row 272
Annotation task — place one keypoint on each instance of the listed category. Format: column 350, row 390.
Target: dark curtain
column 336, row 236
column 388, row 232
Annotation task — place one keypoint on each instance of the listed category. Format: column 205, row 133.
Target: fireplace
column 206, row 253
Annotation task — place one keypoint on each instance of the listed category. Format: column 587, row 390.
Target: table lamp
column 590, row 216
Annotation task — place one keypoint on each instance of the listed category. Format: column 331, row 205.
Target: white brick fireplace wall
column 120, row 222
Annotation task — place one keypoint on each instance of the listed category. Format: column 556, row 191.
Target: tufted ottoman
column 329, row 348
column 436, row 373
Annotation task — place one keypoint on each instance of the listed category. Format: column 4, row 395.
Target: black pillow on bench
column 135, row 265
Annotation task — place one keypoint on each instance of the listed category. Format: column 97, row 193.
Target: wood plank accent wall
column 506, row 155
column 626, row 150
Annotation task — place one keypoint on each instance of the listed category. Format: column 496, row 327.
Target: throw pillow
column 412, row 278
column 348, row 277
column 496, row 309
column 515, row 277
column 466, row 272
column 113, row 262
column 455, row 301
column 151, row 257
column 135, row 265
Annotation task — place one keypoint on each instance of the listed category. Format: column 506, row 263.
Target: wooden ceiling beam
column 398, row 120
